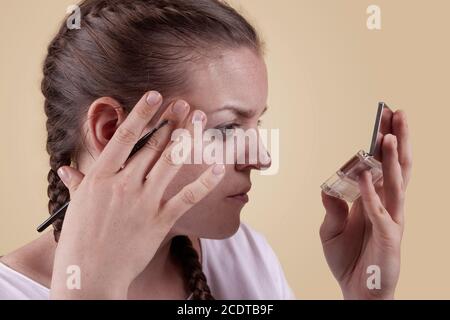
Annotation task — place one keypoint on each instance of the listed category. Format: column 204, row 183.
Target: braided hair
column 122, row 50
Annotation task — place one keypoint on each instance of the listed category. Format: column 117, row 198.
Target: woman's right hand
column 116, row 220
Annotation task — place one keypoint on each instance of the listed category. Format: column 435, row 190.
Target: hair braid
column 60, row 143
column 57, row 192
column 185, row 253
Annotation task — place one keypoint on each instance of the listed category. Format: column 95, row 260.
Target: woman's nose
column 263, row 162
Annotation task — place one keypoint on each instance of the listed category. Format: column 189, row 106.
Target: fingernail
column 198, row 116
column 179, row 107
column 153, row 98
column 63, row 175
column 394, row 139
column 218, row 169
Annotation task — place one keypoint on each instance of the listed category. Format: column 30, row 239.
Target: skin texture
column 238, row 77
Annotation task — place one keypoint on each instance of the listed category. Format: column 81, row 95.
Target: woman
column 149, row 228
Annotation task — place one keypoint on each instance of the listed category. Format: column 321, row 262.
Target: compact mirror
column 383, row 126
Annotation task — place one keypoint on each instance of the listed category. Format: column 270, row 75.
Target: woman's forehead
column 235, row 82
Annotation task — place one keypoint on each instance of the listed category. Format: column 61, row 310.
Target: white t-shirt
column 242, row 267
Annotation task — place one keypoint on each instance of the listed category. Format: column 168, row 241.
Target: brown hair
column 122, row 50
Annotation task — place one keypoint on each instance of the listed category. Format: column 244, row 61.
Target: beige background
column 327, row 73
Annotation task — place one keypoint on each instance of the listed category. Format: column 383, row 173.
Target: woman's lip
column 243, row 197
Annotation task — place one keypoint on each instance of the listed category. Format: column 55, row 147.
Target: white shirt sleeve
column 285, row 291
column 16, row 286
column 242, row 267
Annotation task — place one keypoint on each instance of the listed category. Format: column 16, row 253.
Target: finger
column 401, row 131
column 386, row 121
column 393, row 180
column 335, row 217
column 142, row 162
column 375, row 210
column 127, row 135
column 193, row 193
column 71, row 178
column 169, row 164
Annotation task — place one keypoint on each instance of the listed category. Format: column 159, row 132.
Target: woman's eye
column 228, row 129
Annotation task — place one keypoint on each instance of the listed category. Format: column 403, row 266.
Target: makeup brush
column 61, row 211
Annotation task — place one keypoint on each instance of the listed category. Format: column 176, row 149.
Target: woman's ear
column 104, row 117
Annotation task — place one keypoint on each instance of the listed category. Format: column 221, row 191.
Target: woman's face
column 232, row 91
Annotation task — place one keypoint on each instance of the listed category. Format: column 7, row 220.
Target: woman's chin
column 223, row 223
column 228, row 220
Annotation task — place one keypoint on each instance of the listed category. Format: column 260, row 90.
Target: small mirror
column 383, row 126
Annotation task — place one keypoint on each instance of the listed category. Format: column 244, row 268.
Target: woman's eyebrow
column 241, row 112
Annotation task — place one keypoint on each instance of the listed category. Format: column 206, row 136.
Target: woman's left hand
column 363, row 243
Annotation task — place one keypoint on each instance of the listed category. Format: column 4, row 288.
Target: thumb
column 335, row 217
column 71, row 177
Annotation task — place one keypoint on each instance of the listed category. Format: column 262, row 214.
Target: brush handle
column 61, row 211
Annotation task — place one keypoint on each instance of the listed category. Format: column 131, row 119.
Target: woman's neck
column 161, row 279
